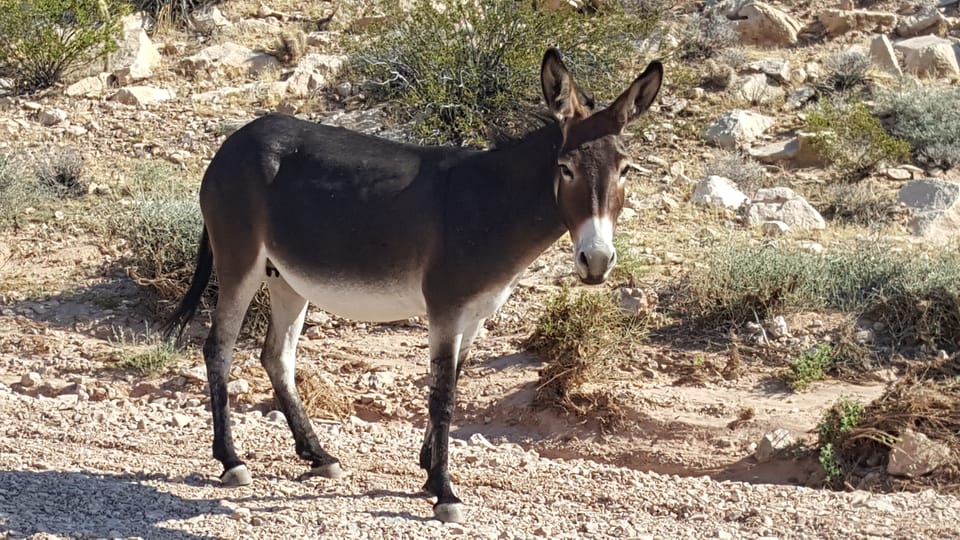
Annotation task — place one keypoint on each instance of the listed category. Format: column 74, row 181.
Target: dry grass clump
column 926, row 401
column 928, row 318
column 582, row 340
column 291, row 46
column 321, row 399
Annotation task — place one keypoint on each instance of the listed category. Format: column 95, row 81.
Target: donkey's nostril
column 583, row 259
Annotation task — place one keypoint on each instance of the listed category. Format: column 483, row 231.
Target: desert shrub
column 145, row 353
column 846, row 70
column 17, row 188
column 853, row 139
column 745, row 283
column 43, row 40
column 742, row 170
column 835, row 425
column 811, row 366
column 456, row 68
column 868, row 202
column 706, row 36
column 927, row 317
column 61, row 173
column 291, row 46
column 177, row 13
column 581, row 339
column 928, row 119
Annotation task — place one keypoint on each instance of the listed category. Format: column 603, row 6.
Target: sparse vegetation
column 846, row 70
column 61, row 172
column 455, row 70
column 742, row 170
column 176, row 13
column 706, row 36
column 927, row 119
column 853, row 139
column 835, row 424
column 291, row 46
column 868, row 202
column 145, row 353
column 582, row 339
column 743, row 284
column 811, row 366
column 43, row 40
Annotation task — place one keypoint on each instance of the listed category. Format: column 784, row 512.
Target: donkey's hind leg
column 232, row 300
column 287, row 311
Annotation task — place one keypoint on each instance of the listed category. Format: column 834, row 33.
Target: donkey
column 375, row 230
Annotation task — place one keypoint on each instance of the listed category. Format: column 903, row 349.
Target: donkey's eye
column 566, row 172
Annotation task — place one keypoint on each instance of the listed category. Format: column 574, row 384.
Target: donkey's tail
column 180, row 318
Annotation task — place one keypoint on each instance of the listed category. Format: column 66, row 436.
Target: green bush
column 740, row 284
column 928, row 119
column 455, row 69
column 836, row 422
column 43, row 40
column 853, row 139
column 809, row 367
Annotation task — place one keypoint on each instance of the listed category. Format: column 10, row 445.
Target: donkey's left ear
column 638, row 98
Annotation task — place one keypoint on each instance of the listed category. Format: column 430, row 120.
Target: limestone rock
column 718, row 191
column 783, row 204
column 636, row 302
column 736, row 128
column 929, row 56
column 797, row 151
column 137, row 56
column 772, row 443
column 228, row 59
column 87, row 86
column 883, row 56
column 799, row 97
column 924, row 22
column 935, row 205
column 777, row 69
column 915, row 455
column 141, row 95
column 51, row 117
column 774, row 228
column 756, row 90
column 837, row 22
column 766, row 26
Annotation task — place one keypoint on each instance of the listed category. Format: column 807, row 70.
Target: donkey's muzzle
column 595, row 263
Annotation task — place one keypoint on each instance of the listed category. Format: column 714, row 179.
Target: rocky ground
column 92, row 450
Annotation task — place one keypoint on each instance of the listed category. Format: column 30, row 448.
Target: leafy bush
column 43, row 40
column 456, row 68
column 740, row 284
column 706, row 36
column 840, row 419
column 810, row 367
column 853, row 139
column 743, row 170
column 846, row 70
column 928, row 119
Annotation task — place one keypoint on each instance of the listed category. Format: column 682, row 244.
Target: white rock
column 276, row 417
column 755, row 89
column 929, row 56
column 798, row 151
column 883, row 56
column 718, row 191
column 777, row 69
column 935, row 208
column 915, row 455
column 180, row 420
column 772, row 443
column 237, row 387
column 137, row 56
column 30, row 379
column 479, row 440
column 926, row 21
column 228, row 59
column 85, row 87
column 766, row 26
column 783, row 204
column 51, row 117
column 736, row 128
column 839, row 21
column 141, row 95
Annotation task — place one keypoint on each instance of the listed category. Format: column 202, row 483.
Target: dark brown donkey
column 374, row 230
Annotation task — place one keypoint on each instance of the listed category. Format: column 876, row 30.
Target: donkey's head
column 593, row 161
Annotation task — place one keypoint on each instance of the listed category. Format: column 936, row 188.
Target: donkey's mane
column 502, row 138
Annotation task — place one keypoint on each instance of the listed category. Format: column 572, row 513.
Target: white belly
column 373, row 302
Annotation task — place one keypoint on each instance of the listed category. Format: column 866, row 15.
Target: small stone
column 180, row 420
column 772, row 443
column 240, row 514
column 276, row 417
column 915, row 455
column 774, row 228
column 30, row 379
column 51, row 117
column 237, row 387
column 898, row 174
column 479, row 440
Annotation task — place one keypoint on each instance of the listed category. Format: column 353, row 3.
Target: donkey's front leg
column 444, row 353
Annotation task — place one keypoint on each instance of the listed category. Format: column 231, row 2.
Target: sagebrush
column 457, row 68
column 744, row 171
column 44, row 40
column 928, row 119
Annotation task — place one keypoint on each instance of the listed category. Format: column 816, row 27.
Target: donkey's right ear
column 558, row 88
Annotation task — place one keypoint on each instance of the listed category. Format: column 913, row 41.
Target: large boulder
column 313, row 72
column 915, row 454
column 736, row 128
column 228, row 59
column 137, row 57
column 929, row 56
column 763, row 25
column 839, row 21
column 783, row 204
column 883, row 55
column 935, row 208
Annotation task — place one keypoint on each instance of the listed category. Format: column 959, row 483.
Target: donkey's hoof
column 449, row 512
column 329, row 470
column 237, row 476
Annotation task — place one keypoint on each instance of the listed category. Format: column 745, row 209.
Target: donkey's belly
column 390, row 299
